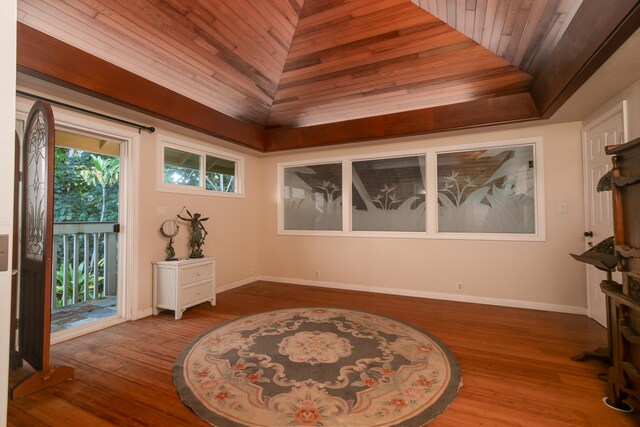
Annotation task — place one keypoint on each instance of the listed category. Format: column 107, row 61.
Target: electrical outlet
column 162, row 210
column 459, row 286
column 252, row 270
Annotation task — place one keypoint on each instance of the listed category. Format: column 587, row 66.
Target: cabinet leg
column 615, row 397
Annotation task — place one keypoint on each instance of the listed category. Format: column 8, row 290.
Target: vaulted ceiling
column 281, row 74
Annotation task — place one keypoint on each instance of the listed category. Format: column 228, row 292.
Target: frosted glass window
column 388, row 194
column 487, row 191
column 312, row 197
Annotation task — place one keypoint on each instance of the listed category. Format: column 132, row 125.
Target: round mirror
column 169, row 228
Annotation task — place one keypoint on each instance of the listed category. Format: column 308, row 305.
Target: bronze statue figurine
column 198, row 233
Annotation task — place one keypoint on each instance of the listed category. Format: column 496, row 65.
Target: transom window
column 191, row 168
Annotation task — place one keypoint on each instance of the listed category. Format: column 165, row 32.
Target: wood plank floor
column 515, row 363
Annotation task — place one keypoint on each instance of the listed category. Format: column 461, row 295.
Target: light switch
column 563, row 208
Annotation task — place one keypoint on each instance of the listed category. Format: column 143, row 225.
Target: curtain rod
column 140, row 127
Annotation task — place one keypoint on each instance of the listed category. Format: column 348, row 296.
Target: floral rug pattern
column 316, row 367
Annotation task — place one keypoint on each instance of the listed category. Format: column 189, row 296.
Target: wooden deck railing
column 84, row 262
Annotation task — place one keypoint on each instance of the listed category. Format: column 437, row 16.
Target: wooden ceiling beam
column 498, row 110
column 53, row 60
column 593, row 35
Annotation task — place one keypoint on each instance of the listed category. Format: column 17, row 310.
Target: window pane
column 181, row 167
column 487, row 191
column 388, row 194
column 313, row 197
column 220, row 175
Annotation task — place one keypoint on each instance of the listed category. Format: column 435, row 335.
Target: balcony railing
column 84, row 262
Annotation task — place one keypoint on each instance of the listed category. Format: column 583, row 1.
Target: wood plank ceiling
column 293, row 66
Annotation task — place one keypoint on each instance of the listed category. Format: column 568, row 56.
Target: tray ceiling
column 287, row 64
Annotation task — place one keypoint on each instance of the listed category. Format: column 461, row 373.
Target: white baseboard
column 433, row 295
column 237, row 284
column 143, row 313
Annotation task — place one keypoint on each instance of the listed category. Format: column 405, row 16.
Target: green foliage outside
column 188, row 176
column 86, row 186
column 83, row 288
column 86, row 189
column 181, row 175
column 220, row 182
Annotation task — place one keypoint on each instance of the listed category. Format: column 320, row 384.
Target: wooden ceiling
column 281, row 74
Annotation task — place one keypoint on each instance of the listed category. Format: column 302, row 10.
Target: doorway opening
column 86, row 224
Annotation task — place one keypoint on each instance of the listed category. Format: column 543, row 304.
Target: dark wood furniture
column 602, row 257
column 15, row 361
column 624, row 299
column 36, row 251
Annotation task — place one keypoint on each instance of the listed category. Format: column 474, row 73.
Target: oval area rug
column 316, row 366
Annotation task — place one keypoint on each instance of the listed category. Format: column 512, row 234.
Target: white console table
column 178, row 285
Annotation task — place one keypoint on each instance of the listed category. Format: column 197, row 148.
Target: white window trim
column 201, row 150
column 280, row 183
column 431, row 190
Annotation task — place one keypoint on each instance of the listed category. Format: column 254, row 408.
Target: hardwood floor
column 515, row 363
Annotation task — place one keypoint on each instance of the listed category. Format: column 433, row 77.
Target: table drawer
column 178, row 285
column 195, row 273
column 196, row 292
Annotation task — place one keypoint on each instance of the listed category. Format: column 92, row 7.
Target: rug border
column 426, row 416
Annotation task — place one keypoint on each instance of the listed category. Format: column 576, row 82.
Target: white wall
column 232, row 226
column 531, row 274
column 632, row 95
column 7, row 129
